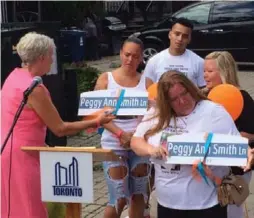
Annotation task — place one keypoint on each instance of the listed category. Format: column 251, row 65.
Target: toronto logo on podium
column 67, row 180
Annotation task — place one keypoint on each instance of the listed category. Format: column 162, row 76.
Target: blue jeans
column 129, row 185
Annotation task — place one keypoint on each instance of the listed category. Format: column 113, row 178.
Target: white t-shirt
column 188, row 63
column 175, row 186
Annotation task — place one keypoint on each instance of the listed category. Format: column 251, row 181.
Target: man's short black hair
column 183, row 21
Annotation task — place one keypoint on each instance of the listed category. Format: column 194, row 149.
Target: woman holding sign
column 220, row 68
column 127, row 179
column 20, row 174
column 181, row 108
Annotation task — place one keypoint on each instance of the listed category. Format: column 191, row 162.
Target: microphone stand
column 16, row 117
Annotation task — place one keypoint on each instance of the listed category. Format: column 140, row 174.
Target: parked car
column 111, row 33
column 218, row 25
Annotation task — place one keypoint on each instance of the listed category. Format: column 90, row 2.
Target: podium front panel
column 66, row 177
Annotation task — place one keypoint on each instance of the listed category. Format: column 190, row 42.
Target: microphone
column 36, row 81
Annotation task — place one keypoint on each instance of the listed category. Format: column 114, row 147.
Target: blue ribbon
column 200, row 165
column 202, row 172
column 119, row 101
column 118, row 105
column 208, row 143
column 100, row 130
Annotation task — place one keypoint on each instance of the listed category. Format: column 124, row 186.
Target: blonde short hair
column 226, row 65
column 33, row 45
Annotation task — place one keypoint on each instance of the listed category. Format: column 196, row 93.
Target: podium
column 66, row 174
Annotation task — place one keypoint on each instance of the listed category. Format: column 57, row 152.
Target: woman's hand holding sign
column 101, row 117
column 105, row 117
column 158, row 152
column 125, row 139
column 250, row 154
column 250, row 160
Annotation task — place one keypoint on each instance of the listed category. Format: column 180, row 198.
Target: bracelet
column 119, row 133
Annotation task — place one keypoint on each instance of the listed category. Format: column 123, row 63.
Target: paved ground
column 95, row 210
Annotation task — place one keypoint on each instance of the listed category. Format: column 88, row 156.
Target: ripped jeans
column 129, row 185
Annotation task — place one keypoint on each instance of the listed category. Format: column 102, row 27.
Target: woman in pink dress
column 20, row 173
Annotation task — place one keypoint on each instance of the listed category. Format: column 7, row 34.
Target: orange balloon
column 230, row 97
column 152, row 91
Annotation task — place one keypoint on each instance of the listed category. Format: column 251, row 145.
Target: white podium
column 67, row 174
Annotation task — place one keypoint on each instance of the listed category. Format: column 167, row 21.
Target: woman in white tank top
column 127, row 179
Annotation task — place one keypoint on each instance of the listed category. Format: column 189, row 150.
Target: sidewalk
column 96, row 209
column 250, row 200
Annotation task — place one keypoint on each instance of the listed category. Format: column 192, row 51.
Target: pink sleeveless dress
column 24, row 198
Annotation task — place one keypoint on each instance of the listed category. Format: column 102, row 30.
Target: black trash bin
column 72, row 45
column 71, row 94
column 55, row 85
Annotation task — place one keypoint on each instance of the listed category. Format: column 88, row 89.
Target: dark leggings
column 213, row 212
